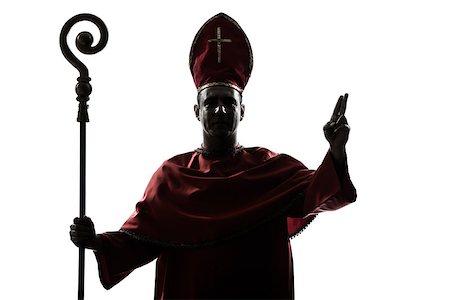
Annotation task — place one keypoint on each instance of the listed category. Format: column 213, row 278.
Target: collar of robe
column 232, row 151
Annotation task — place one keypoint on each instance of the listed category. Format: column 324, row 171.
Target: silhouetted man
column 218, row 219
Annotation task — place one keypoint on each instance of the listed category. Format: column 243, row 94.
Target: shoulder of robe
column 182, row 159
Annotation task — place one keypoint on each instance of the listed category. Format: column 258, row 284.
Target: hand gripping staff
column 83, row 89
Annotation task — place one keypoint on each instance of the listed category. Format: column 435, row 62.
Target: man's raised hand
column 337, row 130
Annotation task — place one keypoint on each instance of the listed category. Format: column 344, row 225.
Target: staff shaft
column 81, row 252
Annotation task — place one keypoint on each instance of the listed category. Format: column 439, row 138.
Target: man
column 218, row 219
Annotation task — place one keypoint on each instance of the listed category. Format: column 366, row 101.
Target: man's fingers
column 83, row 221
column 339, row 109
column 334, row 116
column 343, row 105
column 341, row 120
column 80, row 228
column 343, row 126
column 80, row 238
column 335, row 125
column 327, row 126
column 75, row 232
column 83, row 228
column 79, row 242
column 82, row 232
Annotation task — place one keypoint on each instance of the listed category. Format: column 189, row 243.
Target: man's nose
column 220, row 108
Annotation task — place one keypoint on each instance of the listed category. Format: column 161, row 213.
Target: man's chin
column 220, row 132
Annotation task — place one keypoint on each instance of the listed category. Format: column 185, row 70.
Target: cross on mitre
column 219, row 42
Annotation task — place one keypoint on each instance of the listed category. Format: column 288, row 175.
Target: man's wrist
column 338, row 152
column 339, row 158
column 97, row 243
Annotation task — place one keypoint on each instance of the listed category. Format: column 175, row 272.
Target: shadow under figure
column 219, row 219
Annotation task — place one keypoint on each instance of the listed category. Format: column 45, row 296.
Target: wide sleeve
column 119, row 255
column 326, row 191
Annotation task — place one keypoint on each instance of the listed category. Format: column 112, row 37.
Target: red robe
column 220, row 228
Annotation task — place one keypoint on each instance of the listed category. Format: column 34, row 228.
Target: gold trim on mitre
column 211, row 84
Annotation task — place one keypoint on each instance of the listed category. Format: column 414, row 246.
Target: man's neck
column 221, row 145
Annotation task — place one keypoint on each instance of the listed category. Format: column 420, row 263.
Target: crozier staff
column 218, row 219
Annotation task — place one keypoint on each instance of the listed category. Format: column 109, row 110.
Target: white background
column 392, row 57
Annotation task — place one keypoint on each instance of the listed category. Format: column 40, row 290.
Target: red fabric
column 192, row 200
column 195, row 201
column 120, row 255
column 236, row 61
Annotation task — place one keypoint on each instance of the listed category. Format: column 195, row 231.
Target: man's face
column 220, row 110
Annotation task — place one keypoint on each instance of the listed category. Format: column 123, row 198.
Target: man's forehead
column 219, row 91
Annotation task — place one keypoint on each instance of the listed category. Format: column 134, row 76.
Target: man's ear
column 197, row 111
column 242, row 111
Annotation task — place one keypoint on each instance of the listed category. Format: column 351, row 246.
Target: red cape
column 193, row 200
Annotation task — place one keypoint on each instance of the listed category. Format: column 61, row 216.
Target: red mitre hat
column 221, row 54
